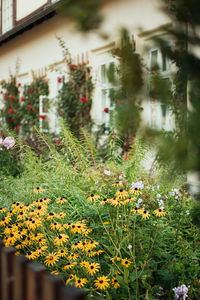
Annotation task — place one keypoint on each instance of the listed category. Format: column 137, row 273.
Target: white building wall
column 38, row 48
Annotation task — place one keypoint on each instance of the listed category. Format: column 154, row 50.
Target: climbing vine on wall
column 75, row 97
column 30, row 103
column 10, row 112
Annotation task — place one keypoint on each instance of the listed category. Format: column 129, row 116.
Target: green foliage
column 163, row 251
column 86, row 13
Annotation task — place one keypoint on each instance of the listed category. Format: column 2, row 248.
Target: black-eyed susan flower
column 102, row 282
column 159, row 212
column 115, row 202
column 90, row 253
column 61, row 200
column 38, row 190
column 70, row 278
column 3, row 209
column 73, row 256
column 55, row 272
column 84, row 264
column 32, row 255
column 50, row 216
column 125, row 262
column 98, row 252
column 5, row 221
column 55, row 226
column 135, row 191
column 61, row 215
column 51, row 259
column 62, row 252
column 122, row 194
column 46, row 200
column 145, row 214
column 115, row 283
column 118, row 184
column 69, row 266
column 61, row 239
column 80, row 282
column 92, row 268
column 105, row 200
column 93, row 197
column 136, row 210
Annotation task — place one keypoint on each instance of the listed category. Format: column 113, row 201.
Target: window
column 7, row 15
column 43, row 113
column 160, row 117
column 105, row 89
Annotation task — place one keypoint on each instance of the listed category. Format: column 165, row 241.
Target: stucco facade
column 38, row 49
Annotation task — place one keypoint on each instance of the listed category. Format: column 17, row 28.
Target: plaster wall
column 26, row 7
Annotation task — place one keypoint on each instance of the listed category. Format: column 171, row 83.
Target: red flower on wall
column 72, row 66
column 59, row 79
column 31, row 90
column 127, row 156
column 119, row 102
column 5, row 96
column 84, row 100
column 19, row 84
column 106, row 110
column 12, row 98
column 18, row 128
column 10, row 111
column 12, row 120
column 42, row 117
column 29, row 107
column 22, row 99
column 35, row 109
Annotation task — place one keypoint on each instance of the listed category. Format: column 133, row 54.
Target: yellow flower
column 93, row 197
column 125, row 262
column 69, row 265
column 145, row 214
column 106, row 223
column 121, row 194
column 50, row 216
column 46, row 200
column 80, row 282
column 92, row 268
column 71, row 277
column 159, row 212
column 115, row 202
column 55, row 272
column 73, row 256
column 32, row 255
column 115, row 283
column 135, row 191
column 38, row 190
column 105, row 200
column 61, row 215
column 117, row 183
column 84, row 264
column 51, row 259
column 55, row 226
column 5, row 221
column 61, row 239
column 61, row 200
column 62, row 252
column 2, row 210
column 136, row 210
column 102, row 282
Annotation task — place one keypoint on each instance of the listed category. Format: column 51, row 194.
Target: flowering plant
column 10, row 113
column 30, row 103
column 75, row 95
